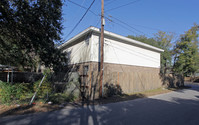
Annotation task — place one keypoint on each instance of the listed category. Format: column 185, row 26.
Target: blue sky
column 143, row 17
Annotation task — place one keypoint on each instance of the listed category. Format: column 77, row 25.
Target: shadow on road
column 164, row 110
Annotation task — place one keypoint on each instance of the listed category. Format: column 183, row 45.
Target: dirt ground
column 6, row 110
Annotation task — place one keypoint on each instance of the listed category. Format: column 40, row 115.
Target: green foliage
column 186, row 55
column 59, row 98
column 28, row 31
column 46, row 86
column 23, row 90
column 6, row 92
column 164, row 42
column 17, row 92
column 144, row 39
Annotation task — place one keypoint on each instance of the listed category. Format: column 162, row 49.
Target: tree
column 29, row 29
column 144, row 39
column 164, row 40
column 186, row 53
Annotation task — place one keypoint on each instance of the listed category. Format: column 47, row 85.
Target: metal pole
column 37, row 90
column 101, row 47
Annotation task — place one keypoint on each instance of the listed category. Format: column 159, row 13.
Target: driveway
column 174, row 108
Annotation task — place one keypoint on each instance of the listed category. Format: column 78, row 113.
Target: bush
column 58, row 98
column 46, row 87
column 111, row 90
column 71, row 93
column 23, row 91
column 18, row 92
column 6, row 92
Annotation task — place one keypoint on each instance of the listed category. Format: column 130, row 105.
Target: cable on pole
column 123, row 5
column 80, row 19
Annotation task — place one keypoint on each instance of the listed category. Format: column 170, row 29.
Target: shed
column 129, row 65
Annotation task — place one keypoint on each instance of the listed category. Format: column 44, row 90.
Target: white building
column 129, row 64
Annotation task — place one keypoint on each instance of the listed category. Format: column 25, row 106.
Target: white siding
column 79, row 52
column 121, row 53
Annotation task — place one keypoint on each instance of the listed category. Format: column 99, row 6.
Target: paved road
column 174, row 108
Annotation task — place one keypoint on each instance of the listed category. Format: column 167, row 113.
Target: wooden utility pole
column 101, row 47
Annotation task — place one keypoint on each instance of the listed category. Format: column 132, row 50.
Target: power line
column 113, row 18
column 124, row 27
column 123, row 5
column 111, row 1
column 127, row 25
column 75, row 13
column 83, row 7
column 130, row 51
column 80, row 19
column 110, row 19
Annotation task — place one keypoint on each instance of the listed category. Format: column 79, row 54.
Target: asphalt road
column 174, row 108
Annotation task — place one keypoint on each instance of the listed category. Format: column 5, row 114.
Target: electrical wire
column 83, row 7
column 80, row 20
column 133, row 52
column 122, row 5
column 127, row 25
column 111, row 1
column 112, row 20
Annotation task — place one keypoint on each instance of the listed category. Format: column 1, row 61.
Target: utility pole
column 101, row 47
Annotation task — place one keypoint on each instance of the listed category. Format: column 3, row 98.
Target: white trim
column 109, row 34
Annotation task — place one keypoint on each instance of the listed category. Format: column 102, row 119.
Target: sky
column 136, row 17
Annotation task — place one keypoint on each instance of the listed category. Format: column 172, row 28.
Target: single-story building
column 130, row 65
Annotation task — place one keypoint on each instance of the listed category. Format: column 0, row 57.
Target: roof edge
column 112, row 35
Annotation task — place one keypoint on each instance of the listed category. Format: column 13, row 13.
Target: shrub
column 58, row 98
column 46, row 87
column 111, row 90
column 18, row 92
column 6, row 92
column 23, row 91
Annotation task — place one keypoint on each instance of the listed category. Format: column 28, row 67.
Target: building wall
column 132, row 79
column 79, row 51
column 122, row 53
column 127, row 78
column 129, row 67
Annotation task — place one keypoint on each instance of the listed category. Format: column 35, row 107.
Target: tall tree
column 164, row 40
column 186, row 53
column 144, row 39
column 29, row 28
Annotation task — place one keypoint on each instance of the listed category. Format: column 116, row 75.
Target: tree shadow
column 13, row 111
column 152, row 111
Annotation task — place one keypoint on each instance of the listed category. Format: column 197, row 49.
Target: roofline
column 109, row 34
